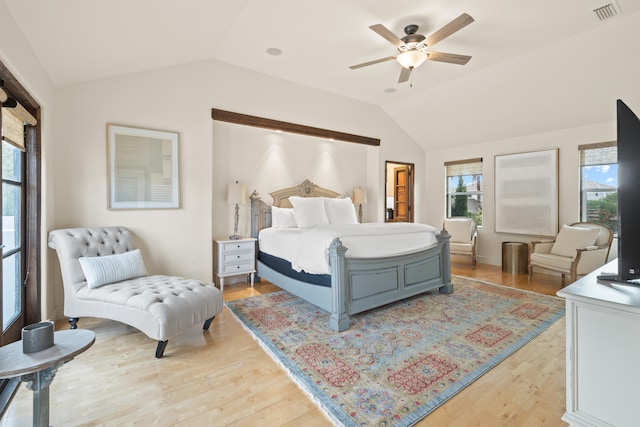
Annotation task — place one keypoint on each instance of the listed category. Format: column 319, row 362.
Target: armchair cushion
column 571, row 238
column 460, row 229
column 463, row 236
column 557, row 262
column 461, row 247
column 102, row 270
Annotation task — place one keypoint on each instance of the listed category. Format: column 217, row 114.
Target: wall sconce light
column 236, row 195
column 359, row 198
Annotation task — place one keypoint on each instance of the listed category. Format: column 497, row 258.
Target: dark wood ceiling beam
column 261, row 122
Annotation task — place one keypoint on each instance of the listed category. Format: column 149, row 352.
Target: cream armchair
column 577, row 250
column 463, row 236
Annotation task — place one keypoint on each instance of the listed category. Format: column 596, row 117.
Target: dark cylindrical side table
column 515, row 257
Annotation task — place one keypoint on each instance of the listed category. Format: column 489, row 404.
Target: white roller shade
column 464, row 167
column 13, row 122
column 598, row 154
column 12, row 128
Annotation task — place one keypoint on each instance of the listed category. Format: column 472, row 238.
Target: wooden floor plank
column 222, row 377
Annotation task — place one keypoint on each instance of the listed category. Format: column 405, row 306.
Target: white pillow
column 309, row 211
column 283, row 218
column 340, row 211
column 571, row 238
column 102, row 270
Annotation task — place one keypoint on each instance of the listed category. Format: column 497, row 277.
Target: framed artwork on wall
column 143, row 168
column 526, row 193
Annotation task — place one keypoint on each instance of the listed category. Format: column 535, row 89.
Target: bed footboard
column 358, row 285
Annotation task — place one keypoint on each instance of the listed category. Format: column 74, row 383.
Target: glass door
column 12, row 268
column 20, row 203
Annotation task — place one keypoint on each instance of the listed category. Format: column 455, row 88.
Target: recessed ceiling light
column 390, row 90
column 274, row 51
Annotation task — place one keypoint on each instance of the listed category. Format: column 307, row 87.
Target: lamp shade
column 359, row 196
column 411, row 58
column 236, row 193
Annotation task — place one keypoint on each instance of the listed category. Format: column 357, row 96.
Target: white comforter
column 308, row 249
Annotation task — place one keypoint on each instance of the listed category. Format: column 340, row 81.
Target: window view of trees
column 600, row 196
column 459, row 207
column 464, row 197
column 604, row 211
column 599, row 185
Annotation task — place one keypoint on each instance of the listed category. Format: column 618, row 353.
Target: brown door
column 402, row 193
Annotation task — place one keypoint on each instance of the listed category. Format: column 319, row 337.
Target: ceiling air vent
column 605, row 12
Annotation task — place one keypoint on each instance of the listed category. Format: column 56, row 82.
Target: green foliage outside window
column 604, row 211
column 459, row 207
column 477, row 216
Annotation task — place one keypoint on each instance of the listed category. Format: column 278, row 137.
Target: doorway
column 399, row 183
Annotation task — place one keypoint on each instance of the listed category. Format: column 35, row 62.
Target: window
column 464, row 189
column 12, row 298
column 599, row 184
column 20, row 203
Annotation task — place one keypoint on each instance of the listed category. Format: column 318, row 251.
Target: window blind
column 602, row 153
column 13, row 121
column 464, row 167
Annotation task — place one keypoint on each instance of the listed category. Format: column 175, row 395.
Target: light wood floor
column 224, row 378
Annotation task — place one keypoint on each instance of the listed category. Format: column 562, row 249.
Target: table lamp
column 359, row 198
column 236, row 195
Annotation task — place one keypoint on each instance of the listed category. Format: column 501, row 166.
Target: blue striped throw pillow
column 102, row 270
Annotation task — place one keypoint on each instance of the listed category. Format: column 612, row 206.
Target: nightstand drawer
column 244, row 267
column 238, row 247
column 236, row 257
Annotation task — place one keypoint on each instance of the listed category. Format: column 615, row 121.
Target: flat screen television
column 628, row 198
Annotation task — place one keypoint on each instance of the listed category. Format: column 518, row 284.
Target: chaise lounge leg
column 160, row 349
column 207, row 323
column 73, row 321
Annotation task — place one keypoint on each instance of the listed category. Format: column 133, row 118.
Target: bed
column 352, row 283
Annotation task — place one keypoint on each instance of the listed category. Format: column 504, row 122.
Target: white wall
column 268, row 160
column 212, row 154
column 567, row 141
column 17, row 56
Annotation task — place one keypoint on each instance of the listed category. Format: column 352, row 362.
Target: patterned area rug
column 399, row 362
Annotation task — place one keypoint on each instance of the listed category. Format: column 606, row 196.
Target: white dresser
column 234, row 257
column 603, row 352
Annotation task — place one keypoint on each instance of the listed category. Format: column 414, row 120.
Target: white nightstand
column 234, row 257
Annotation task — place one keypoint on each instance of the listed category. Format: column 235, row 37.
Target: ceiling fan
column 412, row 48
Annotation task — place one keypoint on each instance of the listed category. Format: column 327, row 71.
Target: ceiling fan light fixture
column 411, row 58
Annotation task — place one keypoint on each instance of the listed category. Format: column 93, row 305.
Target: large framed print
column 143, row 168
column 526, row 193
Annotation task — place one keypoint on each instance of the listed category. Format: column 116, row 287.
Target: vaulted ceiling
column 533, row 62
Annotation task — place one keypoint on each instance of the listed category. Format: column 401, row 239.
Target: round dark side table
column 38, row 369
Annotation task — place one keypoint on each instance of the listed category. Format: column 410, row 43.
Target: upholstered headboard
column 261, row 212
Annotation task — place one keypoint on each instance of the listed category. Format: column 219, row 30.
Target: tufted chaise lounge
column 159, row 306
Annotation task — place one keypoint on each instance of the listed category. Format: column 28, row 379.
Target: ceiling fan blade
column 451, row 58
column 376, row 61
column 388, row 35
column 453, row 26
column 404, row 75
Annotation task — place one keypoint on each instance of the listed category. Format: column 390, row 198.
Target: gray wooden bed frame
column 357, row 284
